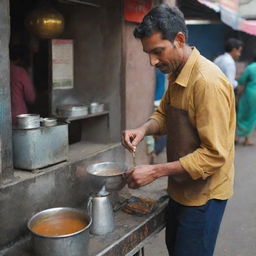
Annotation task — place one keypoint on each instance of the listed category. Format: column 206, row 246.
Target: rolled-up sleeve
column 160, row 114
column 214, row 108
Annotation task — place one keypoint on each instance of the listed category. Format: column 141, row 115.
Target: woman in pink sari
column 22, row 89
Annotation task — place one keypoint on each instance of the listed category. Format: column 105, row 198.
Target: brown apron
column 183, row 139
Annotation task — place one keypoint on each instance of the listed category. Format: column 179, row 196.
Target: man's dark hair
column 233, row 43
column 164, row 19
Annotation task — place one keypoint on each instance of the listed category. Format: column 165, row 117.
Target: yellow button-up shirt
column 206, row 94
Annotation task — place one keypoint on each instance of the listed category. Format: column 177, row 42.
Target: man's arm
column 156, row 125
column 144, row 174
column 230, row 72
column 215, row 122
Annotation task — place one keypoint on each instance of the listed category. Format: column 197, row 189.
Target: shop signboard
column 135, row 10
column 62, row 64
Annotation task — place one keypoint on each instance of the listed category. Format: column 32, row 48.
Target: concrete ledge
column 64, row 184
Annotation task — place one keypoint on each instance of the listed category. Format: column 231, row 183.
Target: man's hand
column 131, row 138
column 140, row 176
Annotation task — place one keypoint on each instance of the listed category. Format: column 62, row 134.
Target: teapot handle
column 89, row 205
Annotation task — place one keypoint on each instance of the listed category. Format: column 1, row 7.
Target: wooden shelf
column 69, row 119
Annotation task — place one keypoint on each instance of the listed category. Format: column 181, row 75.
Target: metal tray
column 72, row 110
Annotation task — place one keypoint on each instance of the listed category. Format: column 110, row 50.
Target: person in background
column 226, row 61
column 246, row 110
column 197, row 112
column 22, row 89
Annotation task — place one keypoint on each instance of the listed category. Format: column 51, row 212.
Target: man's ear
column 179, row 40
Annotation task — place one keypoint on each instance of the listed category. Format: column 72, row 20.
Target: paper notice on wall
column 62, row 64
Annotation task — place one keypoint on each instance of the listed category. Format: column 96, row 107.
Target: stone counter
column 130, row 234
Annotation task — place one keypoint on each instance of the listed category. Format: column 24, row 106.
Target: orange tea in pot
column 60, row 225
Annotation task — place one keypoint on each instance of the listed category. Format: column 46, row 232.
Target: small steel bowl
column 114, row 182
column 49, row 122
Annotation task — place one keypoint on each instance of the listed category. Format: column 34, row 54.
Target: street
column 237, row 235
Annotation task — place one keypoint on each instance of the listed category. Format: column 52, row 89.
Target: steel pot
column 28, row 121
column 74, row 244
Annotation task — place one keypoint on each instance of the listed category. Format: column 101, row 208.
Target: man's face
column 236, row 53
column 163, row 54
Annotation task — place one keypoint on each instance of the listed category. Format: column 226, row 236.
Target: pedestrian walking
column 197, row 113
column 246, row 111
column 226, row 61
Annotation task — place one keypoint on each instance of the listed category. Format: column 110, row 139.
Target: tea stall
column 79, row 74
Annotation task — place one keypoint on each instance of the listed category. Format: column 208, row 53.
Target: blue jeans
column 193, row 230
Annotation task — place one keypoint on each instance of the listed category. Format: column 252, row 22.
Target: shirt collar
column 185, row 73
column 228, row 55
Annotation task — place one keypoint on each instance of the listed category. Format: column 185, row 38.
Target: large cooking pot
column 28, row 121
column 60, row 232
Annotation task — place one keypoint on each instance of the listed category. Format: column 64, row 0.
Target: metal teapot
column 100, row 209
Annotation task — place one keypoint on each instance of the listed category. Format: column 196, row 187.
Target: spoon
column 133, row 158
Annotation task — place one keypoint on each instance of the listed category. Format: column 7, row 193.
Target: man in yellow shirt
column 197, row 113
